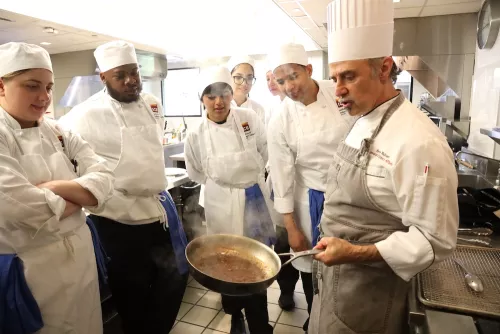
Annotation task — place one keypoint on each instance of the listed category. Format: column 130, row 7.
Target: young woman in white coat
column 243, row 72
column 227, row 153
column 46, row 176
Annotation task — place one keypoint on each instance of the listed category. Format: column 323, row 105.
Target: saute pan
column 265, row 260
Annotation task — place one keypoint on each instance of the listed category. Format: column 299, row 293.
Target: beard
column 122, row 97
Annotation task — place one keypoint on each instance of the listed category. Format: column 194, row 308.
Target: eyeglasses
column 239, row 80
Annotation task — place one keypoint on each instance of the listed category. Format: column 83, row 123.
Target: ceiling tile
column 407, row 12
column 289, row 6
column 447, row 2
column 61, row 40
column 460, row 8
column 409, row 3
column 29, row 32
column 305, row 22
column 17, row 20
column 316, row 9
column 318, row 36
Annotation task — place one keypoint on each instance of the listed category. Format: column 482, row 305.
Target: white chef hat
column 360, row 29
column 289, row 53
column 114, row 54
column 236, row 60
column 213, row 75
column 21, row 56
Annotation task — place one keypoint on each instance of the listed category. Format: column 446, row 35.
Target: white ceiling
column 20, row 28
column 191, row 28
column 310, row 15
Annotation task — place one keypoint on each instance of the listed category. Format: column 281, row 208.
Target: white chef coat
column 26, row 210
column 95, row 121
column 398, row 156
column 225, row 139
column 57, row 254
column 252, row 104
column 272, row 109
column 302, row 142
column 282, row 142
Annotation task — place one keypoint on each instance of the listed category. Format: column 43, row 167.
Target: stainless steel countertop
column 178, row 157
column 177, row 181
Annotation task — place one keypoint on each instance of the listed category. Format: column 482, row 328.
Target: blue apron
column 258, row 223
column 316, row 201
column 177, row 235
column 19, row 311
column 100, row 254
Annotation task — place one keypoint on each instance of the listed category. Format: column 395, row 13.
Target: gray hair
column 375, row 65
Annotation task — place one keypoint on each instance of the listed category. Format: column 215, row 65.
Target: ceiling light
column 396, row 0
column 50, row 30
column 45, row 43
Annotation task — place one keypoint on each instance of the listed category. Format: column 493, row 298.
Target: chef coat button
column 324, row 105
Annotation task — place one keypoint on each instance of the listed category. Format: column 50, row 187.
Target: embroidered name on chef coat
column 154, row 108
column 381, row 155
column 246, row 129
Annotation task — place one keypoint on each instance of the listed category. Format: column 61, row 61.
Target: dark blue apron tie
column 177, row 235
column 316, row 201
column 258, row 223
column 19, row 311
column 100, row 254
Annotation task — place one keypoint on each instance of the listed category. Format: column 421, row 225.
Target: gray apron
column 357, row 298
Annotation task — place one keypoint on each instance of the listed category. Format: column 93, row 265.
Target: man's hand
column 338, row 251
column 296, row 239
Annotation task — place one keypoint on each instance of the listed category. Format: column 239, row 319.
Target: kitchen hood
column 439, row 53
column 85, row 80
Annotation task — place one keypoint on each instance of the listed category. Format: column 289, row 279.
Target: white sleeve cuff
column 283, row 205
column 407, row 253
column 56, row 203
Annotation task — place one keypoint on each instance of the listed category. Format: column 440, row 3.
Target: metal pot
column 203, row 246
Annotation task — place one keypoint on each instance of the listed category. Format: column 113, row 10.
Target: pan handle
column 295, row 256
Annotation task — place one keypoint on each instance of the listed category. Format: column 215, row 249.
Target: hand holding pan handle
column 295, row 256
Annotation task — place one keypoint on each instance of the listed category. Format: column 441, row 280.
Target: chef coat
column 225, row 139
column 397, row 184
column 272, row 109
column 282, row 142
column 252, row 104
column 27, row 210
column 302, row 142
column 57, row 254
column 96, row 122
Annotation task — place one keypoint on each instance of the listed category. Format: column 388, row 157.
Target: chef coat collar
column 320, row 98
column 228, row 119
column 11, row 121
column 383, row 106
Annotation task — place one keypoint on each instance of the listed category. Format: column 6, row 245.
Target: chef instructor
column 138, row 226
column 391, row 208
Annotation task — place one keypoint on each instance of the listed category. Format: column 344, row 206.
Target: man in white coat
column 147, row 271
column 302, row 139
column 391, row 206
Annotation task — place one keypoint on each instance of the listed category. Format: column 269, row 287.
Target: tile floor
column 201, row 312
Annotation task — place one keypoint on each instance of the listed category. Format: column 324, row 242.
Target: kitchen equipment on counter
column 443, row 286
column 247, row 249
column 473, row 281
column 485, row 242
column 174, row 172
column 477, row 231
